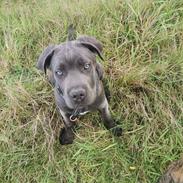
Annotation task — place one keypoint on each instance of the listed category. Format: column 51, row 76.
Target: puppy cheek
column 67, row 99
column 68, row 102
column 91, row 94
column 91, row 85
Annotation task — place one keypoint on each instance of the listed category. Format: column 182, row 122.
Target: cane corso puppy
column 77, row 77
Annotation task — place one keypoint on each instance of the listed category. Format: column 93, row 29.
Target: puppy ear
column 99, row 70
column 92, row 44
column 44, row 59
column 91, row 40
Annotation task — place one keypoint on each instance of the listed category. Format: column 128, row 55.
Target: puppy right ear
column 92, row 44
column 44, row 59
column 99, row 70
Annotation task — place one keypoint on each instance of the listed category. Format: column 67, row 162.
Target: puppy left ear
column 44, row 59
column 99, row 70
column 92, row 44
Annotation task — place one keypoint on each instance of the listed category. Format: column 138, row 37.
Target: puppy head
column 73, row 68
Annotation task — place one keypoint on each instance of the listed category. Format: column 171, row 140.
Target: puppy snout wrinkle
column 77, row 94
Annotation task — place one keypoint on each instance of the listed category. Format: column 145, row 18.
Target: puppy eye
column 86, row 66
column 59, row 73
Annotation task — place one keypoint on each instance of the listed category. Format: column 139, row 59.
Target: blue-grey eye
column 86, row 66
column 59, row 73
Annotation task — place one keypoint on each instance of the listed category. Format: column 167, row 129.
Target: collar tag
column 73, row 118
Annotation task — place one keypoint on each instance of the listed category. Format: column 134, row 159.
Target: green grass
column 143, row 51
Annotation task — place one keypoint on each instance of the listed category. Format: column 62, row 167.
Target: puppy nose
column 77, row 95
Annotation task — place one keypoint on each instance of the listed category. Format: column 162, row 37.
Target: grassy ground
column 143, row 50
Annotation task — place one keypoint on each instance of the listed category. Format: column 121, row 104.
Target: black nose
column 77, row 94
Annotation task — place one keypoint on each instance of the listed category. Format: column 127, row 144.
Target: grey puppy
column 77, row 77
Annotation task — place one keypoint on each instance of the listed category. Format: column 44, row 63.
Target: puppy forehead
column 71, row 54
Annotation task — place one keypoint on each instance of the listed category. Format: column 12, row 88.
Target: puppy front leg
column 109, row 123
column 66, row 133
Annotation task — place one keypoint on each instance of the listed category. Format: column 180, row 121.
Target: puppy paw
column 117, row 131
column 66, row 136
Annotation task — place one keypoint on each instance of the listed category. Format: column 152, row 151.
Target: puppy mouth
column 76, row 105
column 81, row 109
column 79, row 106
